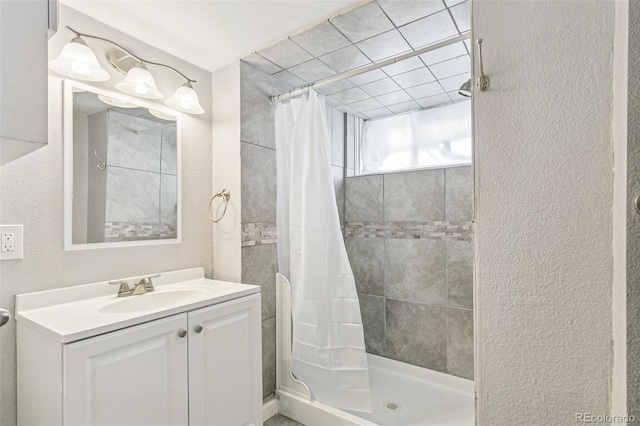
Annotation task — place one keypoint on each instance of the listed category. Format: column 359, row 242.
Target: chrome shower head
column 465, row 89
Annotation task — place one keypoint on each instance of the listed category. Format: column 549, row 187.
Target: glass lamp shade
column 116, row 102
column 161, row 115
column 186, row 100
column 77, row 61
column 139, row 82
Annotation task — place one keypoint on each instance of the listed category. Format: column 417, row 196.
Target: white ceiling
column 211, row 33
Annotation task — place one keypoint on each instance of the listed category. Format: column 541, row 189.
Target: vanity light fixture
column 116, row 102
column 78, row 61
column 161, row 115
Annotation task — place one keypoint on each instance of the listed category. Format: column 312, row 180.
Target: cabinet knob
column 198, row 329
column 182, row 333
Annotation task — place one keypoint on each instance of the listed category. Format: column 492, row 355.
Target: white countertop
column 74, row 313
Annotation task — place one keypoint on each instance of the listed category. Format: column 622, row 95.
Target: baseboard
column 269, row 409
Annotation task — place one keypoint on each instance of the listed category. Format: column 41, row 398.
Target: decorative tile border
column 265, row 233
column 439, row 230
column 254, row 234
column 127, row 231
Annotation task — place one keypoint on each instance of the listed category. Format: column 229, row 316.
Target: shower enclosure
column 395, row 79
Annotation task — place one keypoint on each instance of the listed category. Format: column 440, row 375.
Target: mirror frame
column 67, row 130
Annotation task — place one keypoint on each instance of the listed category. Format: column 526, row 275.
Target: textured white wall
column 544, row 183
column 31, row 193
column 227, row 256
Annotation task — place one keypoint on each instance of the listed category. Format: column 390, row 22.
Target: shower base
column 401, row 394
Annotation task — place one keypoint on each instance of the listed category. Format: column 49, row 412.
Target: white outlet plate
column 16, row 232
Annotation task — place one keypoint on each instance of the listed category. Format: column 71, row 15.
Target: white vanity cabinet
column 200, row 366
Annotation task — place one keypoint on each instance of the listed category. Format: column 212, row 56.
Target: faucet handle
column 148, row 284
column 124, row 287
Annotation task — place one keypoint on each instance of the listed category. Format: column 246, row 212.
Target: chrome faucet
column 145, row 285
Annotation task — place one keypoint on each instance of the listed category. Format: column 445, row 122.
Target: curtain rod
column 299, row 90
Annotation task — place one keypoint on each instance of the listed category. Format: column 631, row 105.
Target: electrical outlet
column 11, row 242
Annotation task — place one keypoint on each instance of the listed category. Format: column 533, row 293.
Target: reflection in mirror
column 125, row 185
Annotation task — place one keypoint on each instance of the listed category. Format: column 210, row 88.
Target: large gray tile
column 462, row 15
column 429, row 30
column 402, row 12
column 351, row 95
column 380, row 87
column 425, row 90
column 168, row 199
column 459, row 193
column 460, row 343
column 373, row 312
column 258, row 183
column 448, row 52
column 383, row 46
column 261, row 63
column 268, row 356
column 415, row 196
column 433, row 101
column 351, row 124
column 280, row 420
column 393, row 98
column 256, row 111
column 285, row 54
column 321, row 39
column 416, row 334
column 126, row 148
column 169, row 150
column 345, row 59
column 338, row 185
column 312, row 71
column 364, row 198
column 259, row 267
column 404, row 107
column 364, row 22
column 451, row 67
column 403, row 66
column 337, row 138
column 414, row 78
column 132, row 196
column 416, row 270
column 459, row 274
column 366, row 256
column 368, row 77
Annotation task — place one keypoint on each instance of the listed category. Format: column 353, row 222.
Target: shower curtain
column 328, row 352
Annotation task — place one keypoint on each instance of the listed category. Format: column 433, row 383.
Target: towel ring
column 226, row 195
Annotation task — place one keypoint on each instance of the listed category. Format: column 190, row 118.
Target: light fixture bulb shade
column 161, row 115
column 116, row 102
column 77, row 61
column 139, row 82
column 465, row 89
column 186, row 100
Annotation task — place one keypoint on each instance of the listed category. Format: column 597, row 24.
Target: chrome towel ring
column 226, row 195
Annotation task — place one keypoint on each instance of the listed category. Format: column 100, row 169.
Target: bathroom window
column 436, row 137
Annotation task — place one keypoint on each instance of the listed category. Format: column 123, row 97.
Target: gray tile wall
column 259, row 191
column 408, row 236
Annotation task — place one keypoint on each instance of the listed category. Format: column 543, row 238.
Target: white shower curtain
column 328, row 352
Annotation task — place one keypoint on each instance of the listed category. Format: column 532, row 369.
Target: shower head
column 465, row 89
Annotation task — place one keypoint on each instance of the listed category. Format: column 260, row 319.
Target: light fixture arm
column 483, row 80
column 144, row 61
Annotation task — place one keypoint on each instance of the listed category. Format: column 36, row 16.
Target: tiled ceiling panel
column 373, row 33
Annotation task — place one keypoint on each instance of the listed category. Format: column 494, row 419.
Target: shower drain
column 392, row 406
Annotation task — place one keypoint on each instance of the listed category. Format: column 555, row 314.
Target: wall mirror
column 121, row 170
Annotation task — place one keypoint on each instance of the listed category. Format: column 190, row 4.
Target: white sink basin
column 154, row 301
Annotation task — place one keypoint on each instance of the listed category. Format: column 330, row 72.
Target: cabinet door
column 136, row 376
column 225, row 364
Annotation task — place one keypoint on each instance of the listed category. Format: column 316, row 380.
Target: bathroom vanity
column 186, row 353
